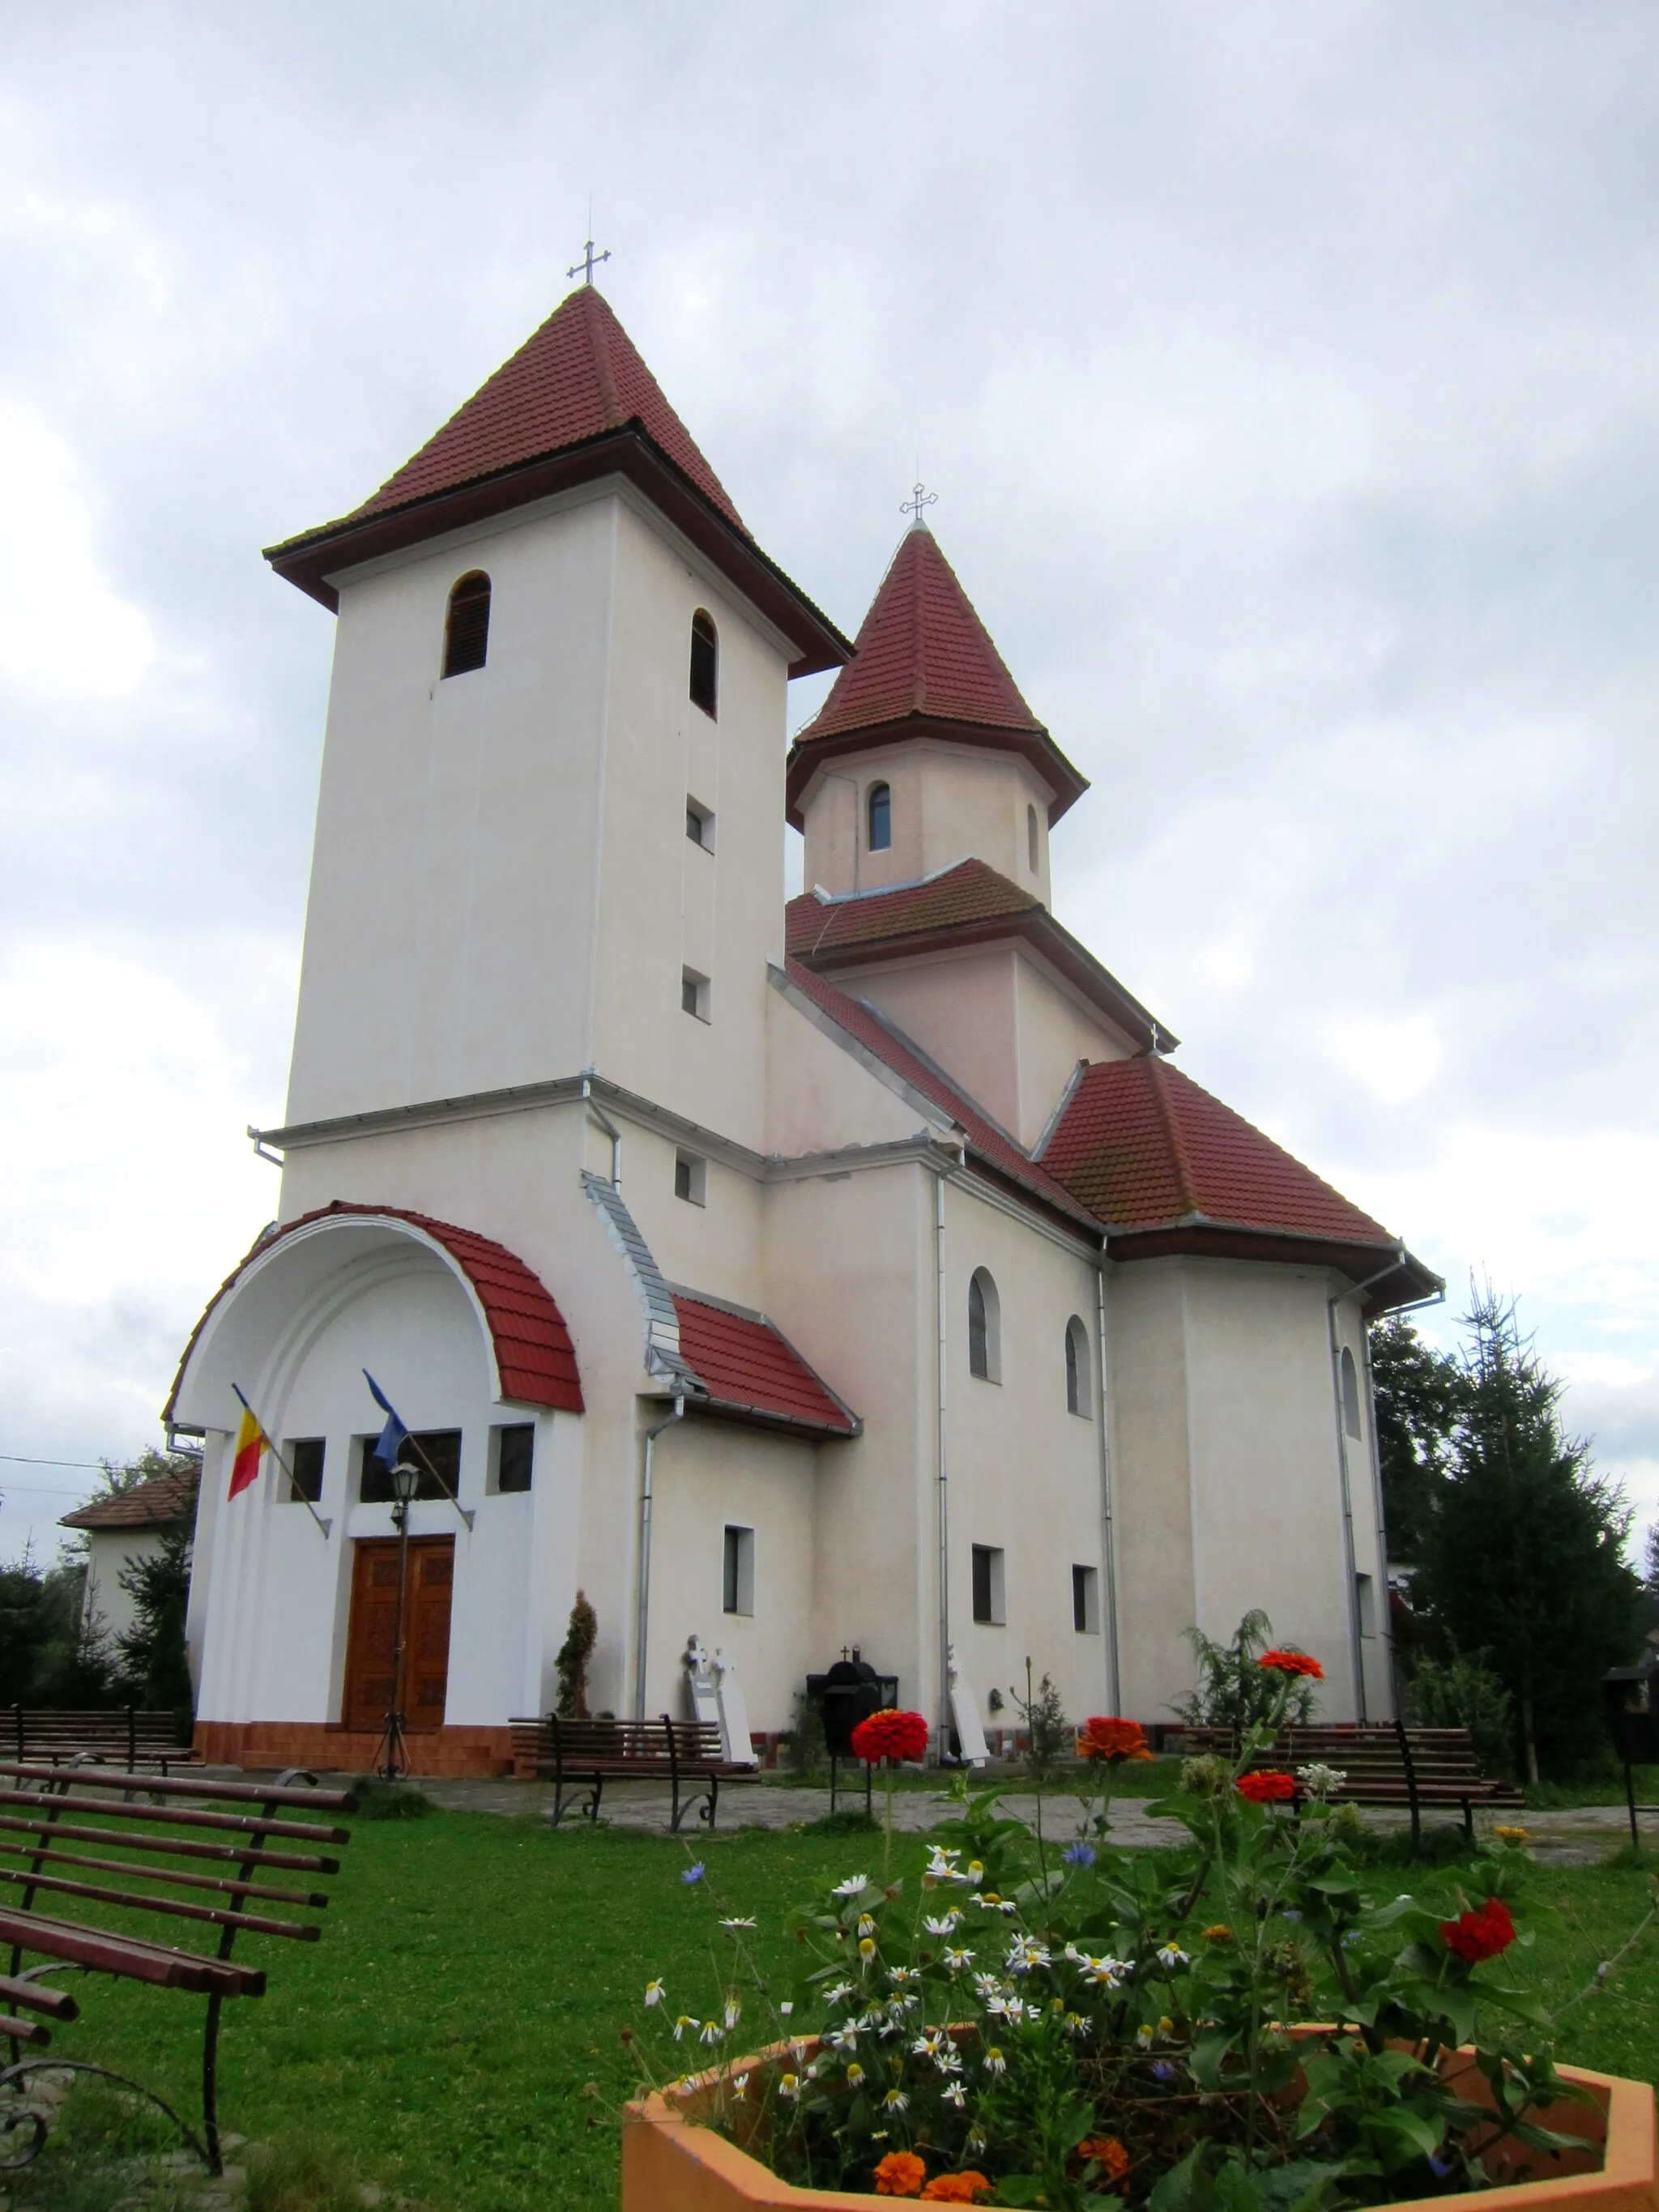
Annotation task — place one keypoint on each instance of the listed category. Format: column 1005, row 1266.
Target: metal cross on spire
column 914, row 506
column 589, row 262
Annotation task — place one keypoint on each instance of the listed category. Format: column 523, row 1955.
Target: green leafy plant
column 1233, row 1691
column 1462, row 1692
column 1089, row 2028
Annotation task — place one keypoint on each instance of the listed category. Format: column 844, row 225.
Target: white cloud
column 65, row 636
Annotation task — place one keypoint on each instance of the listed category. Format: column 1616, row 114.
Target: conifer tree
column 1420, row 1392
column 1523, row 1560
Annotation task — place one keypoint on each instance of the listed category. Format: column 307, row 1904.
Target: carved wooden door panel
column 370, row 1690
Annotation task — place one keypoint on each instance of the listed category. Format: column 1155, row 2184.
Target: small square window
column 304, row 1456
column 694, row 993
column 438, row 1453
column 514, row 1451
column 988, row 1595
column 738, row 1581
column 691, row 1177
column 1085, row 1600
column 700, row 824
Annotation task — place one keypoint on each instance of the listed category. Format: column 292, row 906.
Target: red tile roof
column 165, row 1501
column 535, row 1359
column 578, row 377
column 922, row 650
column 749, row 1369
column 1142, row 1147
column 888, row 1044
column 923, row 658
column 969, row 892
column 967, row 904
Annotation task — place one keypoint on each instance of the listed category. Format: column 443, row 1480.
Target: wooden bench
column 93, row 1833
column 580, row 1757
column 1388, row 1764
column 132, row 1738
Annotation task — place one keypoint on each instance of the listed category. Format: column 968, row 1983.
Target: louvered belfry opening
column 705, row 663
column 466, row 634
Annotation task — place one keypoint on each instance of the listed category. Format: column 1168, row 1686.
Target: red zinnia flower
column 891, row 1733
column 1293, row 1662
column 1111, row 1740
column 1481, row 1934
column 1266, row 1786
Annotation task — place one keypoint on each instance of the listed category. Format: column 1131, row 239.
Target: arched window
column 1031, row 837
column 705, row 663
column 1350, row 1393
column 984, row 1328
column 466, row 630
column 1077, row 1367
column 881, row 818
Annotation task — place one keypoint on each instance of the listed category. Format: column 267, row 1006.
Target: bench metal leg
column 210, row 2086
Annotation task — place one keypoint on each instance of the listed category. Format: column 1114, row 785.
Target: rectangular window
column 691, row 1177
column 700, row 824
column 442, row 1447
column 694, row 993
column 513, row 1449
column 1085, row 1600
column 304, row 1456
column 987, row 1585
column 1365, row 1600
column 737, row 1580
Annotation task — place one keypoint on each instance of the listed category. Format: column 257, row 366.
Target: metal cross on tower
column 917, row 502
column 588, row 262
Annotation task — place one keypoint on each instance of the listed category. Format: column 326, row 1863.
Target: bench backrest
column 24, row 1731
column 167, row 1850
column 633, row 1742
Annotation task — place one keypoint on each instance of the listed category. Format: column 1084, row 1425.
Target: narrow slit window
column 1085, row 1600
column 1350, row 1393
column 515, row 1457
column 705, row 663
column 1077, row 1367
column 690, row 1178
column 738, row 1575
column 987, row 1579
column 880, row 810
column 700, row 824
column 1031, row 837
column 466, row 631
column 984, row 1328
column 694, row 993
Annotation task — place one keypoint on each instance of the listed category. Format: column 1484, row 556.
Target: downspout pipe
column 1108, row 1535
column 1356, row 1649
column 609, row 1128
column 941, row 1355
column 642, row 1600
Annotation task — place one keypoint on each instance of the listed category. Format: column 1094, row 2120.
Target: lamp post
column 392, row 1757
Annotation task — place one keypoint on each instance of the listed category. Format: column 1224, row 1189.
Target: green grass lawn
column 475, row 1972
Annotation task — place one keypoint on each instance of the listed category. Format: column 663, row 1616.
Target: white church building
column 858, row 1270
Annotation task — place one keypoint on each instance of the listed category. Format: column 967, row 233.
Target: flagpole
column 411, row 1438
column 293, row 1483
column 408, row 1437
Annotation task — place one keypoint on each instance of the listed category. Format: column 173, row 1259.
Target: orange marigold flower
column 891, row 1733
column 1107, row 2152
column 1293, row 1662
column 1112, row 1740
column 901, row 2173
column 962, row 2188
column 1220, row 1933
column 1266, row 1787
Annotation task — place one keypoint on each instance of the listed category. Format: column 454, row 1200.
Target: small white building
column 859, row 1271
column 127, row 1526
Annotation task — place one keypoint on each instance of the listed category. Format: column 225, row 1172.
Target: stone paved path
column 1578, row 1837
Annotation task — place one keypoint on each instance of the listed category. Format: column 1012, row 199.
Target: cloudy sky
column 1289, row 377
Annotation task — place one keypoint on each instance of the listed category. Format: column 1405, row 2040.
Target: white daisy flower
column 1025, row 1956
column 894, row 2101
column 789, row 2086
column 653, row 1993
column 854, row 1885
column 736, row 1922
column 958, row 1961
column 945, row 1925
column 711, row 2031
column 995, row 2061
column 854, row 2075
column 1171, row 1955
column 786, row 2008
column 840, row 1993
column 739, row 2085
column 954, row 2094
column 1105, row 1973
column 685, row 2021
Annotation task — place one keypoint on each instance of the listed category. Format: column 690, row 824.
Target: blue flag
column 392, row 1434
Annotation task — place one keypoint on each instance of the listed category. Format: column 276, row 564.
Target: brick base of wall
column 328, row 1747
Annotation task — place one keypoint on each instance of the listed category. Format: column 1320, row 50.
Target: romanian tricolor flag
column 250, row 1441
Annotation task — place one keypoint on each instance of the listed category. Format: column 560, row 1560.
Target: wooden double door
column 371, row 1688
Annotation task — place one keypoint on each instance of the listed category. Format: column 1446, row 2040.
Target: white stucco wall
column 105, row 1608
column 950, row 803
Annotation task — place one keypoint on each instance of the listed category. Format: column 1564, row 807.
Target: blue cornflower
column 1288, row 1912
column 1440, row 2167
column 1081, row 1855
column 1163, row 2071
column 693, row 1873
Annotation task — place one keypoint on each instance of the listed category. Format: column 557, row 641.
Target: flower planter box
column 671, row 2164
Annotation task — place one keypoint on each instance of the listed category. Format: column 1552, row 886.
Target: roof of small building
column 576, row 402
column 968, row 903
column 751, row 1371
column 535, row 1359
column 165, row 1501
column 924, row 664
